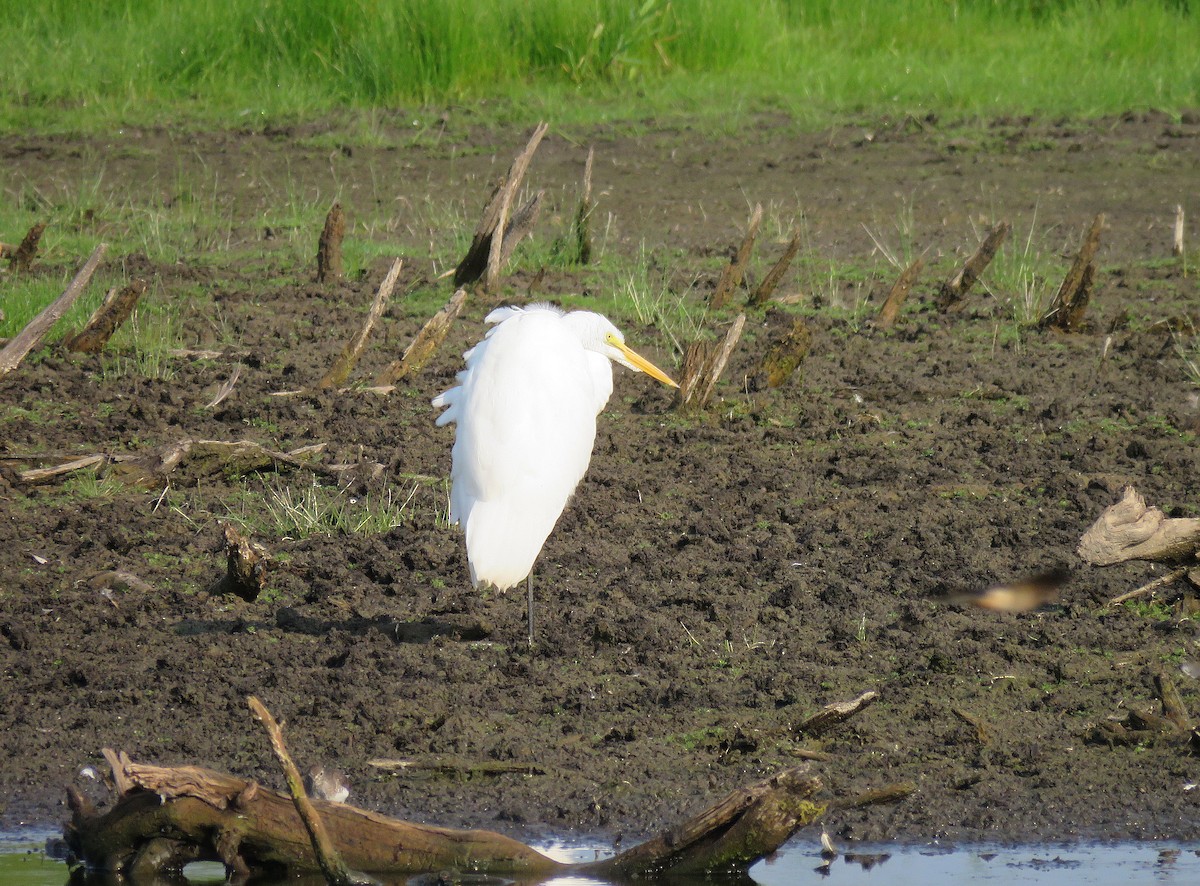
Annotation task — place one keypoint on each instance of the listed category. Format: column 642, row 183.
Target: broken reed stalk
column 22, row 257
column 426, row 343
column 702, row 367
column 478, row 258
column 27, row 339
column 583, row 214
column 735, row 271
column 1177, row 240
column 762, row 294
column 332, row 866
column 341, row 368
column 107, row 319
column 895, row 300
column 329, row 247
column 1070, row 302
column 955, row 289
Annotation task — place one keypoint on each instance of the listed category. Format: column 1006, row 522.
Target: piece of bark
column 783, row 358
column 831, row 715
column 733, row 273
column 328, row 857
column 1131, row 530
column 346, row 361
column 1070, row 302
column 246, row 566
column 956, row 288
column 426, row 343
column 204, row 458
column 899, row 292
column 763, row 292
column 982, row 733
column 476, row 262
column 219, row 817
column 583, row 214
column 22, row 257
column 107, row 318
column 702, row 367
column 41, row 475
column 27, row 339
column 1172, row 702
column 329, row 247
column 1177, row 240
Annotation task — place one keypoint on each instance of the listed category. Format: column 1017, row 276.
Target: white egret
column 526, row 408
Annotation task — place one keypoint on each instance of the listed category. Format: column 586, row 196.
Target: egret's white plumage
column 526, row 408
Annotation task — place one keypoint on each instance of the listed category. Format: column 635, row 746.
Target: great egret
column 526, row 408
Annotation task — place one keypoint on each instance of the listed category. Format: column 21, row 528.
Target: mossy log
column 167, row 817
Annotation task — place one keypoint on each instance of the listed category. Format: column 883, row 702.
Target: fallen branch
column 346, row 361
column 1150, row 587
column 27, row 339
column 735, row 271
column 426, row 343
column 1130, row 530
column 107, row 319
column 702, row 367
column 899, row 292
column 956, row 288
column 447, row 765
column 1070, row 302
column 329, row 247
column 164, row 815
column 484, row 252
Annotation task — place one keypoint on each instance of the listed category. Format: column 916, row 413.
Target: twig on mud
column 340, row 371
column 27, row 339
column 1150, row 587
column 834, row 714
column 457, row 766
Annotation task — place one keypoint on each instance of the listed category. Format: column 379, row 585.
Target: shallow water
column 23, row 862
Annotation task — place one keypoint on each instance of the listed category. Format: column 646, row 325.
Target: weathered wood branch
column 495, row 216
column 107, row 318
column 954, row 289
column 1070, row 302
column 735, row 271
column 165, row 815
column 833, row 714
column 425, row 345
column 899, row 292
column 329, row 247
column 346, row 361
column 27, row 339
column 1132, row 530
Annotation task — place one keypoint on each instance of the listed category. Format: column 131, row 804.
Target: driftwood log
column 955, row 289
column 1133, row 530
column 898, row 294
column 167, row 817
column 106, row 319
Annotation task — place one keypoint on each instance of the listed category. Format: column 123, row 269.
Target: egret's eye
column 610, row 338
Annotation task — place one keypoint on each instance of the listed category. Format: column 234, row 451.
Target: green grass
column 243, row 63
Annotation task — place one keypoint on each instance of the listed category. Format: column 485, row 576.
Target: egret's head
column 597, row 333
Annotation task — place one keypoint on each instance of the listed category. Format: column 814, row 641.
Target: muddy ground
column 717, row 579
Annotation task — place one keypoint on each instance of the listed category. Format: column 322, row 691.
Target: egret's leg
column 529, row 591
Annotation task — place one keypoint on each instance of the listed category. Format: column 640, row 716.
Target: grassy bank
column 72, row 64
